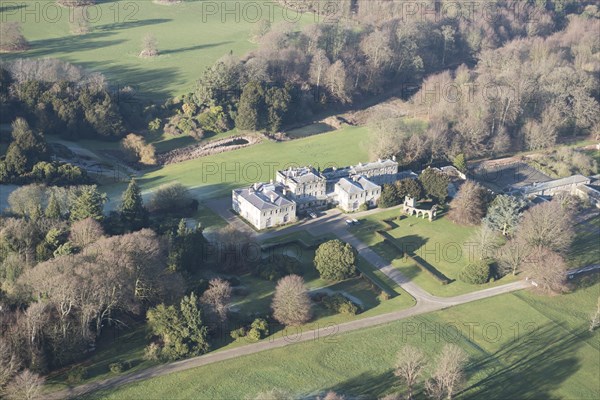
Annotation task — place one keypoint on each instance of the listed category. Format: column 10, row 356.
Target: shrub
column 476, row 273
column 238, row 333
column 335, row 260
column 383, row 296
column 276, row 267
column 261, row 325
column 348, row 308
column 170, row 198
column 340, row 304
column 254, row 335
column 152, row 352
column 118, row 367
column 77, row 374
column 363, row 207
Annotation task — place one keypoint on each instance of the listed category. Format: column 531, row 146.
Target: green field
column 441, row 243
column 191, row 36
column 521, row 346
column 216, row 175
column 585, row 250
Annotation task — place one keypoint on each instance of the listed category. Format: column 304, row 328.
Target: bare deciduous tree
column 318, row 66
column 138, row 150
column 448, row 375
column 80, row 24
column 469, row 205
column 484, row 244
column 86, row 232
column 11, row 37
column 549, row 225
column 510, row 257
column 25, row 386
column 149, row 46
column 331, row 395
column 9, row 361
column 291, row 303
column 336, row 81
column 546, row 268
column 409, row 367
column 217, row 297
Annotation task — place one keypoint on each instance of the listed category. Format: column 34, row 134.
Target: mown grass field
column 585, row 250
column 441, row 243
column 216, row 175
column 520, row 346
column 191, row 36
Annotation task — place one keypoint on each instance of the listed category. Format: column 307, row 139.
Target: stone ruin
column 410, row 208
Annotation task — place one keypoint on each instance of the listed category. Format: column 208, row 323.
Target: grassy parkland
column 191, row 36
column 520, row 346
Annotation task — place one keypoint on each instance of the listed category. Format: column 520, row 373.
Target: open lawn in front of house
column 440, row 243
column 216, row 175
column 520, row 345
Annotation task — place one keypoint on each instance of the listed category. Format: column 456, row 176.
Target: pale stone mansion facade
column 297, row 191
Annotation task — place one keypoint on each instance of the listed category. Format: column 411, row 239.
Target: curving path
column 331, row 222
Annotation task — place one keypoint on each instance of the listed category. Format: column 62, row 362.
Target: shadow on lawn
column 192, row 48
column 531, row 366
column 130, row 24
column 368, row 384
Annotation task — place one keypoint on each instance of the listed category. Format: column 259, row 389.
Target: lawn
column 520, row 346
column 216, row 175
column 585, row 249
column 191, row 36
column 441, row 243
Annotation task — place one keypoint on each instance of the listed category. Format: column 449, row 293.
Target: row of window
column 373, row 193
column 278, row 211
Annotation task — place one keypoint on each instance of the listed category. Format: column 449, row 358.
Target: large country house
column 297, row 191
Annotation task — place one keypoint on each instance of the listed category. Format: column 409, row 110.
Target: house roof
column 302, row 174
column 336, row 173
column 358, row 169
column 358, row 186
column 406, row 174
column 571, row 180
column 265, row 196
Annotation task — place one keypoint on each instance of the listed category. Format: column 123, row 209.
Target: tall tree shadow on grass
column 531, row 366
column 368, row 385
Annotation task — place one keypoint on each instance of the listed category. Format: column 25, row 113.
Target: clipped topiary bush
column 340, row 304
column 476, row 273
